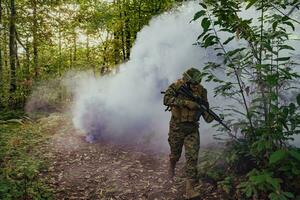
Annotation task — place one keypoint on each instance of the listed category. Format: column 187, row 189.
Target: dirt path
column 81, row 170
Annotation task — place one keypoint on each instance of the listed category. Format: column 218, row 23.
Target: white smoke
column 127, row 106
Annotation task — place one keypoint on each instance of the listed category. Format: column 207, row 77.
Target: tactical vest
column 182, row 113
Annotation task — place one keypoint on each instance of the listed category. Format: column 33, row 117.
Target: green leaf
column 272, row 79
column 272, row 196
column 209, row 41
column 283, row 59
column 249, row 191
column 275, row 182
column 259, row 179
column 290, row 24
column 274, row 25
column 295, row 154
column 198, row 15
column 203, row 5
column 277, row 156
column 292, row 108
column 201, row 35
column 228, row 40
column 206, row 36
column 289, row 195
column 286, row 47
column 269, row 48
column 283, row 6
column 285, row 18
column 205, row 23
column 233, row 52
column 298, row 99
column 285, row 112
column 273, row 96
column 251, row 3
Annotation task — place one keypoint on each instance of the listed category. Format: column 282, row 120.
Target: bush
column 20, row 164
column 259, row 76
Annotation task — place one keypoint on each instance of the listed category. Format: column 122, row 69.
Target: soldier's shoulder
column 202, row 88
column 177, row 83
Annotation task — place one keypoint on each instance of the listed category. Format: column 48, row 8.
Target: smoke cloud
column 126, row 107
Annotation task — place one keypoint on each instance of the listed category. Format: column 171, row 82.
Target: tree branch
column 287, row 15
column 237, row 77
column 20, row 42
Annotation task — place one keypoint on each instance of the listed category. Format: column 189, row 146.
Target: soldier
column 184, row 126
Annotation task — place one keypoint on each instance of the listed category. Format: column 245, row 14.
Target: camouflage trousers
column 185, row 134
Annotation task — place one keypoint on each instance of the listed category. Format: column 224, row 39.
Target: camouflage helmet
column 192, row 75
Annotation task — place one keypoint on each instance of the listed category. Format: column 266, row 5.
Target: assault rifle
column 185, row 91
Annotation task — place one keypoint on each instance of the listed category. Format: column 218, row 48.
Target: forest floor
column 102, row 170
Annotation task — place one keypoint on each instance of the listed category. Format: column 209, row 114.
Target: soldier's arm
column 171, row 98
column 204, row 95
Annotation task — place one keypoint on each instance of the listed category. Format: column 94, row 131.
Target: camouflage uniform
column 184, row 126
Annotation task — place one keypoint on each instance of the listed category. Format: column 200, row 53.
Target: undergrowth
column 21, row 162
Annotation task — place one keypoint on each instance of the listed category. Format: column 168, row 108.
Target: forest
column 44, row 39
column 73, row 74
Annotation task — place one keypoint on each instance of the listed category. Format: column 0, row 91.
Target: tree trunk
column 70, row 59
column 116, row 43
column 102, row 70
column 28, row 80
column 116, row 48
column 122, row 31
column 87, row 49
column 127, row 36
column 17, row 58
column 5, row 49
column 12, row 53
column 88, row 62
column 1, row 61
column 35, row 43
column 59, row 44
column 27, row 65
column 75, row 48
column 140, row 14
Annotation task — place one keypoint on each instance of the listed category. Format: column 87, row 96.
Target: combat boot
column 190, row 191
column 171, row 171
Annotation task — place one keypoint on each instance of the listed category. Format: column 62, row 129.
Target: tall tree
column 34, row 38
column 127, row 34
column 12, row 52
column 1, row 61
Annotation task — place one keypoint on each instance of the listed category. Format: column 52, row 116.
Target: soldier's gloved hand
column 206, row 104
column 191, row 105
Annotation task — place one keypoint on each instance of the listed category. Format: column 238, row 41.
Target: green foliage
column 211, row 166
column 263, row 181
column 226, row 185
column 20, row 163
column 53, row 37
column 16, row 114
column 260, row 71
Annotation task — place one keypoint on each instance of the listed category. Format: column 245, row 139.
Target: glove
column 206, row 104
column 191, row 105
